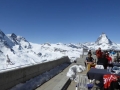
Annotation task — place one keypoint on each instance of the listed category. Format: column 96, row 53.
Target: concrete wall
column 11, row 78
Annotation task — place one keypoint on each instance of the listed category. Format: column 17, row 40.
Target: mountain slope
column 21, row 52
column 19, row 40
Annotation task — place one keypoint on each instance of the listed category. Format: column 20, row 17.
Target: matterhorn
column 103, row 39
column 103, row 42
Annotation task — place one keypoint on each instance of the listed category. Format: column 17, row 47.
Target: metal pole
column 79, row 82
column 117, row 56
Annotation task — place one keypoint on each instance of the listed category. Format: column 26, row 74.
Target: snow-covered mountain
column 104, row 42
column 16, row 51
column 20, row 52
column 103, row 39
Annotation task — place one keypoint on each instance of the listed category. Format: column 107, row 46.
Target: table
column 97, row 74
column 116, row 64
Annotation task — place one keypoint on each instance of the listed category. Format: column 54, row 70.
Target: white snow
column 103, row 39
column 104, row 42
column 72, row 72
column 23, row 53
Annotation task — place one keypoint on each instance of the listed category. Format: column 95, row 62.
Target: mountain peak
column 13, row 35
column 103, row 39
column 1, row 34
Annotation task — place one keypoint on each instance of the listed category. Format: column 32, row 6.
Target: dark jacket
column 103, row 61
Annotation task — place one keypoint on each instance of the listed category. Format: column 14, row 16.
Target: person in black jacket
column 89, row 62
column 103, row 61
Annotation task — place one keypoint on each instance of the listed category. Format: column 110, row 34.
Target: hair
column 99, row 48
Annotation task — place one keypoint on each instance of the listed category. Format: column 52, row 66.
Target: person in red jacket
column 109, row 58
column 99, row 54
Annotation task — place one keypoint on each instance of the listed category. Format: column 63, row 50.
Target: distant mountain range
column 22, row 52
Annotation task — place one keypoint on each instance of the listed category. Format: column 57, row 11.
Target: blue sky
column 64, row 21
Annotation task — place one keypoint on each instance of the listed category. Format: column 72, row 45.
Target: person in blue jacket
column 112, row 52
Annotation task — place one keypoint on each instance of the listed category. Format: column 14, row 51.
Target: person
column 112, row 52
column 109, row 58
column 103, row 61
column 98, row 54
column 89, row 52
column 89, row 62
column 106, row 51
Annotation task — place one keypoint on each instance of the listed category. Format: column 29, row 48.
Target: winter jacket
column 99, row 54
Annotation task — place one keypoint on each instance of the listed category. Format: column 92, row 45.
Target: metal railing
column 82, row 81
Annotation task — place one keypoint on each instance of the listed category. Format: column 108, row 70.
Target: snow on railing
column 7, row 67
